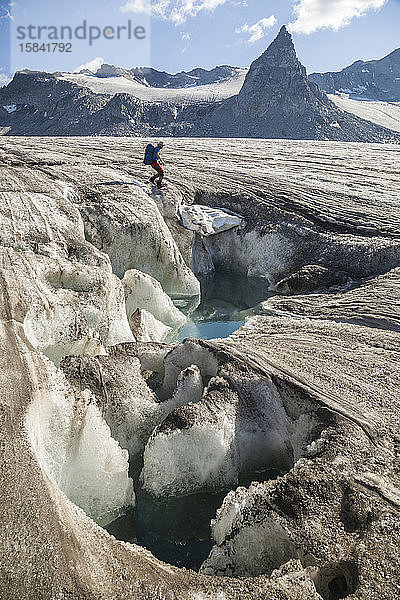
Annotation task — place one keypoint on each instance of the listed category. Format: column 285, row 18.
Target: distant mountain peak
column 280, row 53
column 274, row 72
column 368, row 80
column 284, row 34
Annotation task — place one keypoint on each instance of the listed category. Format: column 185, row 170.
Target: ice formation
column 240, row 425
column 146, row 328
column 259, row 547
column 85, row 309
column 129, row 407
column 206, row 220
column 131, row 230
column 145, row 292
column 74, row 447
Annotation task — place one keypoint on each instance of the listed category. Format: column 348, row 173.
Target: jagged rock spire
column 274, row 72
column 280, row 51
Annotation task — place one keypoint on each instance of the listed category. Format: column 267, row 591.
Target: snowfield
column 386, row 114
column 122, row 85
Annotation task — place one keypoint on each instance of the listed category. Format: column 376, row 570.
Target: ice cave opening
column 177, row 530
column 225, row 298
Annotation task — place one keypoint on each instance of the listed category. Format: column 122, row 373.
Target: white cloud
column 7, row 15
column 312, row 15
column 177, row 11
column 185, row 37
column 4, row 79
column 258, row 30
column 92, row 65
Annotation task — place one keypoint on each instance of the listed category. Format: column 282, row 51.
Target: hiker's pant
column 160, row 173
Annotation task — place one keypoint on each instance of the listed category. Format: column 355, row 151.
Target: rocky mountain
column 373, row 79
column 161, row 79
column 38, row 103
column 277, row 100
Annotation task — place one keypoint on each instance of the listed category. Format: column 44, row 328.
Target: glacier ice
column 129, row 406
column 334, row 504
column 72, row 309
column 258, row 547
column 144, row 292
column 74, row 447
column 240, row 425
column 182, row 356
column 146, row 328
column 133, row 233
column 207, row 220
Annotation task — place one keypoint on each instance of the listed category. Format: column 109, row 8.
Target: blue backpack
column 149, row 154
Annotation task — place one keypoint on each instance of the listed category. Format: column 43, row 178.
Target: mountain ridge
column 377, row 79
column 276, row 100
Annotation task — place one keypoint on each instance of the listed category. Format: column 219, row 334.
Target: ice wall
column 74, row 447
column 145, row 292
column 240, row 425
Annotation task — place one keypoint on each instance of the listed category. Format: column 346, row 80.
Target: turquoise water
column 176, row 530
column 223, row 297
column 209, row 330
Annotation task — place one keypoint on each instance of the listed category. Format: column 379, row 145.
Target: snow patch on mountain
column 121, row 85
column 386, row 114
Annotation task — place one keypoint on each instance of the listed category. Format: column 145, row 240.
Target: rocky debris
column 309, row 387
column 309, row 279
column 371, row 79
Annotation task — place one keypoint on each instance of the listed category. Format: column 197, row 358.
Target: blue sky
column 182, row 34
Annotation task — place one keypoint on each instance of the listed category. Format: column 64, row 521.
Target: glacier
column 94, row 407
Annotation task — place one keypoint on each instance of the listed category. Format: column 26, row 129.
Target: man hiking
column 152, row 157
